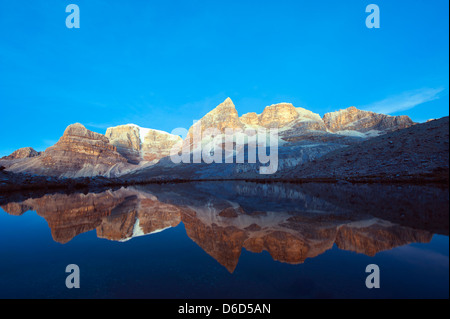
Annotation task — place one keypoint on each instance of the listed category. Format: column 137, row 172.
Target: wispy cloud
column 404, row 101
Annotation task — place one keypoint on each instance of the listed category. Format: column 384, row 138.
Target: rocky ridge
column 352, row 119
column 303, row 137
column 24, row 152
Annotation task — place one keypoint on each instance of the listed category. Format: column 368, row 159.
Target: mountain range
column 141, row 154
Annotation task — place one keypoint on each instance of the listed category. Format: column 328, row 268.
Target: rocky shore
column 11, row 182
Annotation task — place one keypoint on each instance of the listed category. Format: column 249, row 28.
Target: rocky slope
column 417, row 152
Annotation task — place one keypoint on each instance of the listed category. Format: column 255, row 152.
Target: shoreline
column 23, row 183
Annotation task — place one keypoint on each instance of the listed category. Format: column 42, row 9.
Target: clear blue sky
column 163, row 64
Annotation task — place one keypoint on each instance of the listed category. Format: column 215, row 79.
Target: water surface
column 228, row 240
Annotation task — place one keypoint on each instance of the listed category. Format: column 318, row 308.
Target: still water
column 227, row 240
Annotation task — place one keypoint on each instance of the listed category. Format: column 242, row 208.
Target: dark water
column 228, row 240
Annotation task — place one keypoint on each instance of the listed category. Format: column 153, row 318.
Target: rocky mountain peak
column 79, row 152
column 278, row 115
column 226, row 108
column 74, row 127
column 364, row 121
column 295, row 120
column 250, row 119
column 78, row 130
column 24, row 152
column 222, row 117
column 281, row 115
column 227, row 101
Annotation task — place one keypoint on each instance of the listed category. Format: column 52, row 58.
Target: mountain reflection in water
column 290, row 222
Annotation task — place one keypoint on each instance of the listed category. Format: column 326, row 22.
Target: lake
column 228, row 240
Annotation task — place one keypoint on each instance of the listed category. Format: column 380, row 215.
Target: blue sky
column 163, row 64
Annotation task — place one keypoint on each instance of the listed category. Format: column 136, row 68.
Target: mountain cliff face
column 278, row 115
column 285, row 115
column 303, row 136
column 127, row 140
column 224, row 116
column 141, row 154
column 84, row 145
column 352, row 119
column 297, row 124
column 138, row 144
column 79, row 152
column 83, row 153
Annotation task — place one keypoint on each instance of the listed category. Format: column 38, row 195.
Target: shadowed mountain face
column 421, row 151
column 290, row 222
